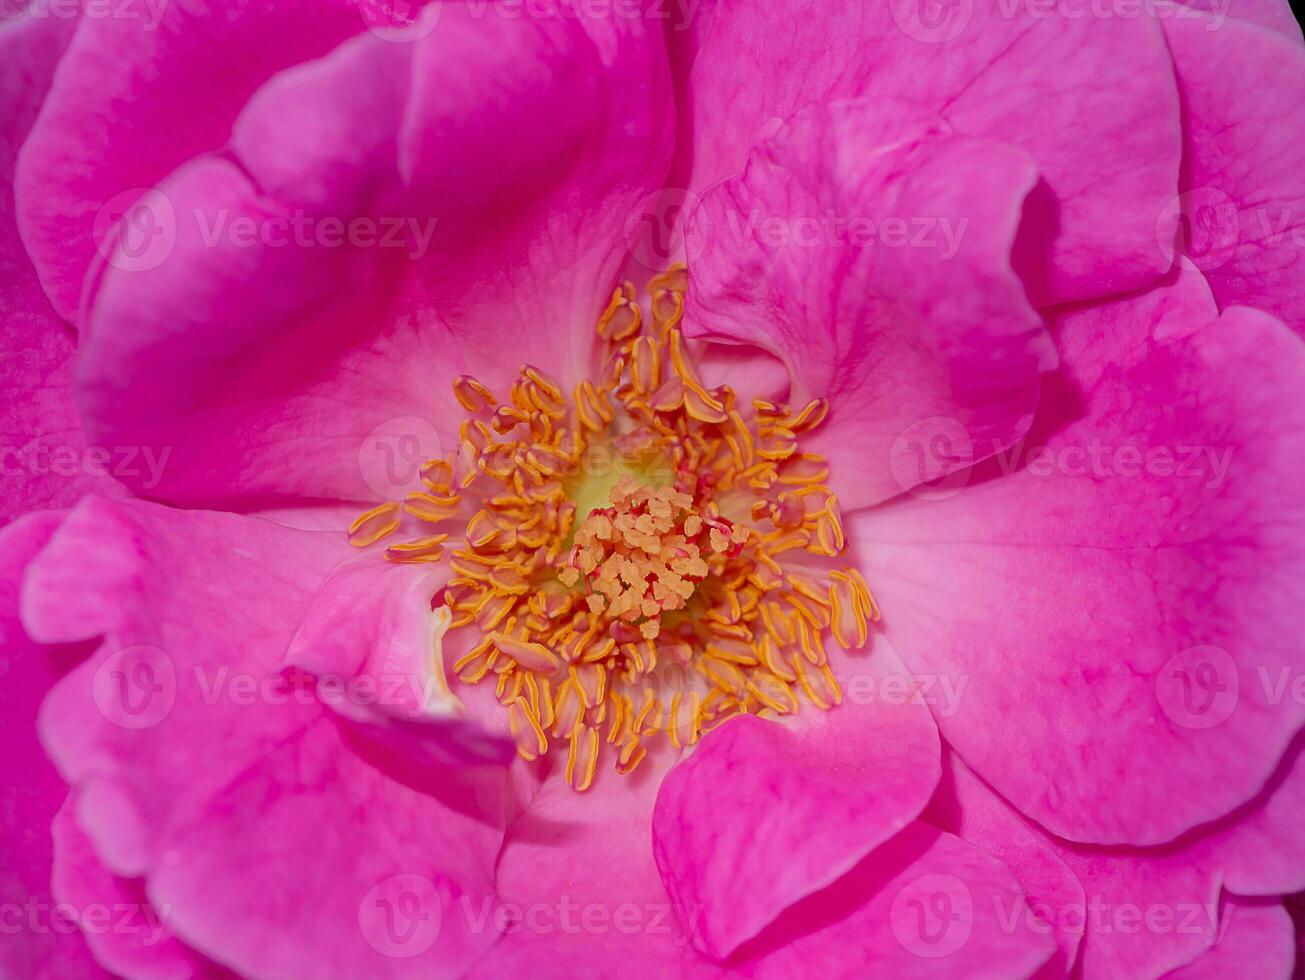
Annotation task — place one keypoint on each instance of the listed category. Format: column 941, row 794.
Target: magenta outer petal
column 1243, row 178
column 1139, row 911
column 926, row 904
column 967, row 808
column 128, row 934
column 134, row 99
column 35, row 944
column 43, row 460
column 1256, row 939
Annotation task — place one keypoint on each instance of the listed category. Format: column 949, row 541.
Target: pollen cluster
column 641, row 559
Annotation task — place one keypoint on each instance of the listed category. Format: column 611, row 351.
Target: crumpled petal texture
column 1044, row 270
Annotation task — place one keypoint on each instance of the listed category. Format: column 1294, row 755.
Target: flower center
column 640, row 559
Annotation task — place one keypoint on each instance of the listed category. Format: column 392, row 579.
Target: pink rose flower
column 410, row 568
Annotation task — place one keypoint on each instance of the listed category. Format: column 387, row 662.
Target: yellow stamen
column 641, row 558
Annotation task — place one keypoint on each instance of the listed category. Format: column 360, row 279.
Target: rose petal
column 32, row 791
column 318, row 362
column 1048, row 84
column 135, row 97
column 1256, row 939
column 763, row 814
column 1243, row 186
column 128, row 935
column 891, row 330
column 1139, row 560
column 200, row 762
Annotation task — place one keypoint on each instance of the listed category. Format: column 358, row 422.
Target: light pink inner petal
column 763, row 813
column 375, row 644
column 912, row 330
column 926, row 904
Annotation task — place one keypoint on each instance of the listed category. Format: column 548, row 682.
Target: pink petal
column 1273, row 14
column 925, row 904
column 375, row 644
column 763, row 814
column 134, row 98
column 1243, row 162
column 1168, row 896
column 128, row 935
column 1115, row 608
column 967, row 808
column 1257, row 940
column 1047, row 84
column 32, row 791
column 197, row 611
column 582, row 894
column 889, row 332
column 289, row 365
column 45, row 461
